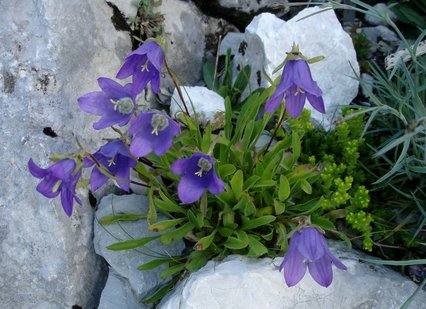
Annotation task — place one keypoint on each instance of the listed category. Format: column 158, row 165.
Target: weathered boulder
column 126, row 279
column 241, row 282
column 51, row 53
column 209, row 106
column 268, row 38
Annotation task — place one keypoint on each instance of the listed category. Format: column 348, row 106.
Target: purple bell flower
column 115, row 103
column 59, row 178
column 153, row 131
column 115, row 157
column 145, row 64
column 197, row 175
column 296, row 85
column 308, row 248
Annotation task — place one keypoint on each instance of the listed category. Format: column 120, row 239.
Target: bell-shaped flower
column 308, row 249
column 115, row 103
column 115, row 158
column 59, row 178
column 152, row 131
column 296, row 85
column 145, row 64
column 198, row 174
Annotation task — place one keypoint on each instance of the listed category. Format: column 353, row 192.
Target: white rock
column 244, row 283
column 268, row 38
column 380, row 8
column 51, row 53
column 125, row 263
column 209, row 106
column 129, row 8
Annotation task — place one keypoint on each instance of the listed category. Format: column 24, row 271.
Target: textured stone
column 249, row 6
column 380, row 8
column 192, row 38
column 209, row 106
column 268, row 38
column 241, row 282
column 51, row 53
column 125, row 263
column 117, row 294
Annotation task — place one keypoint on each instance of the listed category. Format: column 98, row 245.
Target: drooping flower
column 59, row 178
column 308, row 248
column 197, row 175
column 152, row 131
column 115, row 103
column 296, row 85
column 115, row 157
column 145, row 64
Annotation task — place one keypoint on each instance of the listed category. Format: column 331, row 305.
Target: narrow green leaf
column 237, row 182
column 165, row 225
column 305, row 186
column 106, row 220
column 255, row 223
column 284, row 189
column 264, row 183
column 226, row 170
column 159, row 294
column 322, row 222
column 248, row 132
column 279, row 207
column 175, row 235
column 208, row 75
column 131, row 243
column 205, row 242
column 173, row 270
column 197, row 259
column 152, row 212
column 251, row 181
column 242, row 80
column 154, row 264
column 296, row 146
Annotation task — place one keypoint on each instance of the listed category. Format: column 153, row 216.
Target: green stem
column 175, row 82
column 276, row 130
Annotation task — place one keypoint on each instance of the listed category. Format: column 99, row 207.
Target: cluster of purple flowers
column 151, row 131
column 154, row 131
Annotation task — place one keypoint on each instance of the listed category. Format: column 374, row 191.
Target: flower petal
column 316, row 102
column 321, row 271
column 112, row 89
column 178, row 166
column 161, row 146
column 66, row 200
column 123, row 166
column 129, row 66
column 93, row 103
column 273, row 102
column 336, row 261
column 294, row 267
column 188, row 191
column 140, row 147
column 140, row 80
column 63, row 169
column 312, row 244
column 294, row 102
column 216, row 185
column 45, row 187
column 302, row 78
column 97, row 179
column 35, row 170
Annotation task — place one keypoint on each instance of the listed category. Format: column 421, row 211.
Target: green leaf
column 237, row 182
column 284, row 189
column 175, row 235
column 131, row 243
column 159, row 294
column 264, row 183
column 281, row 232
column 207, row 139
column 205, row 242
column 152, row 213
column 154, row 264
column 106, row 220
column 196, row 260
column 173, row 270
column 248, row 132
column 279, row 207
column 256, row 248
column 396, row 263
column 242, row 80
column 255, row 223
column 322, row 222
column 305, row 186
column 296, row 146
column 226, row 170
column 237, row 243
column 245, row 206
column 209, row 75
column 251, row 181
column 165, row 225
column 167, row 205
column 228, row 118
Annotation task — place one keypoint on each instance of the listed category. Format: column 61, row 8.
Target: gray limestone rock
column 380, row 8
column 51, row 53
column 125, row 263
column 249, row 6
column 268, row 38
column 246, row 283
